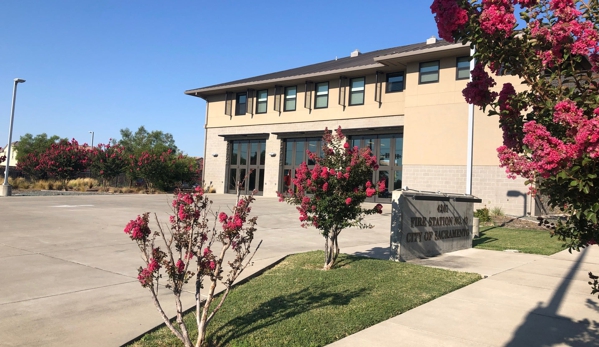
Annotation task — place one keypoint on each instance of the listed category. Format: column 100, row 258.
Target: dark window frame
column 237, row 104
column 395, row 74
column 458, row 68
column 316, row 95
column 352, row 92
column 258, row 102
column 437, row 72
column 285, row 97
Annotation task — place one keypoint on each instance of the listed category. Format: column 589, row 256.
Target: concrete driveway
column 68, row 271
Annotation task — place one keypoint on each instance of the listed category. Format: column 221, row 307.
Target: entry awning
column 259, row 136
column 346, row 132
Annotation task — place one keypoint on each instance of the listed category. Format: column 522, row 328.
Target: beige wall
column 392, row 104
column 435, row 121
column 488, row 183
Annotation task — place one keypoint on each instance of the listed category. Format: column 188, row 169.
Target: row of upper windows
column 428, row 73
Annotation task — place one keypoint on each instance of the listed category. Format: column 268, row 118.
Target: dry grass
column 83, row 184
column 79, row 184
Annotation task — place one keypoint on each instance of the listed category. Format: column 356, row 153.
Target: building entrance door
column 388, row 149
column 246, row 159
column 295, row 154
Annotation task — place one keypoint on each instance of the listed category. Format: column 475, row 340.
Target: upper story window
column 395, row 82
column 356, row 91
column 462, row 68
column 322, row 95
column 261, row 101
column 429, row 72
column 290, row 98
column 241, row 104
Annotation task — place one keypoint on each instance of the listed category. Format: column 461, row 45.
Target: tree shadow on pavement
column 543, row 326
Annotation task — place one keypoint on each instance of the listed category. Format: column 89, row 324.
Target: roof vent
column 431, row 40
column 355, row 53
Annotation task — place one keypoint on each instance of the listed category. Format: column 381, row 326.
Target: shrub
column 483, row 215
column 188, row 251
column 497, row 212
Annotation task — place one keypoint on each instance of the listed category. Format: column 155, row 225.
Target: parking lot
column 69, row 272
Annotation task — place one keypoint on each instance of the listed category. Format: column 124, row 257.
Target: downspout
column 205, row 143
column 470, row 133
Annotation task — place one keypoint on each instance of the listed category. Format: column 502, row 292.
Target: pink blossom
column 497, row 17
column 180, row 266
column 478, row 91
column 348, row 201
column 449, row 17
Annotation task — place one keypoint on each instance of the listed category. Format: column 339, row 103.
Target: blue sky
column 104, row 65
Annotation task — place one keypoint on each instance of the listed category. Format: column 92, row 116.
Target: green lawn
column 526, row 241
column 298, row 304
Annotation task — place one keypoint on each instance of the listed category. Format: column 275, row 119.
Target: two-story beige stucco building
column 405, row 103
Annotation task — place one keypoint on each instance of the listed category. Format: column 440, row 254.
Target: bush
column 497, row 212
column 483, row 215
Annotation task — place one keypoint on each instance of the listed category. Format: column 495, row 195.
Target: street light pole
column 91, row 132
column 6, row 188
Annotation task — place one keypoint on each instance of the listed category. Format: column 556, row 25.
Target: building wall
column 215, row 166
column 488, row 183
column 13, row 156
column 434, row 117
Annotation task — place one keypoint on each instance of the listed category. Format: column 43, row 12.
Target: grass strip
column 297, row 304
column 525, row 241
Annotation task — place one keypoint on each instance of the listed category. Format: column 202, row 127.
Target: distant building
column 13, row 156
column 405, row 103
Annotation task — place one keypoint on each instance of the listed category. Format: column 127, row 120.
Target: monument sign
column 428, row 224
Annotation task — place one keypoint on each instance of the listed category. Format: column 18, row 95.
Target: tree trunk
column 331, row 251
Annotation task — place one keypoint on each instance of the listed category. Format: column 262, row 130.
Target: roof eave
column 406, row 57
column 203, row 92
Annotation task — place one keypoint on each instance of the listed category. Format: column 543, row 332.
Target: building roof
column 364, row 60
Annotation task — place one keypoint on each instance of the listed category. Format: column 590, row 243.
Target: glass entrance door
column 388, row 149
column 246, row 165
column 295, row 154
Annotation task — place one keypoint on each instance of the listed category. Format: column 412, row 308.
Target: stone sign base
column 427, row 224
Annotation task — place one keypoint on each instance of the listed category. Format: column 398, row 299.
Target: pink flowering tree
column 107, row 161
column 193, row 249
column 550, row 127
column 329, row 195
column 63, row 160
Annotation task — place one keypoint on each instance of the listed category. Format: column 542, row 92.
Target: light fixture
column 272, row 154
column 215, row 155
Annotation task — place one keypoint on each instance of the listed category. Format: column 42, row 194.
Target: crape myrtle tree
column 192, row 249
column 164, row 170
column 64, row 160
column 34, row 144
column 551, row 127
column 107, row 161
column 28, row 151
column 329, row 195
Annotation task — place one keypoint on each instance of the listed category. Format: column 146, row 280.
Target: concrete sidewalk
column 526, row 300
